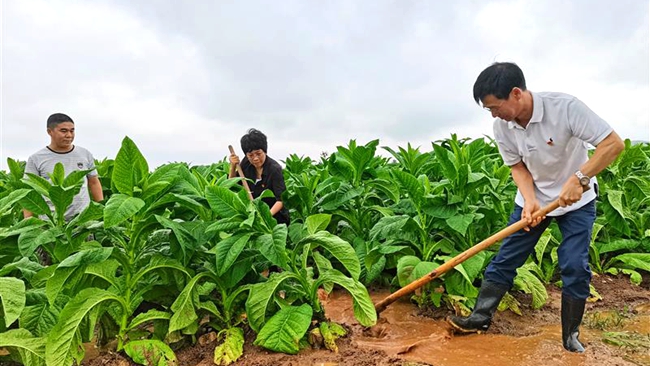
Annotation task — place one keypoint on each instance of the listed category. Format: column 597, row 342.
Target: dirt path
column 406, row 336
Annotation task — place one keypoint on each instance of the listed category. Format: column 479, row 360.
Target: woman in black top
column 264, row 171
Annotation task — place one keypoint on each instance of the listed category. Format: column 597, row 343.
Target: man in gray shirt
column 60, row 127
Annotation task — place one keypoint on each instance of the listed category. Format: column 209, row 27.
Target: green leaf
column 364, row 309
column 34, row 203
column 129, row 169
column 224, row 202
column 55, row 284
column 184, row 306
column 282, row 333
column 635, row 260
column 150, row 352
column 618, row 244
column 86, row 256
column 30, row 240
column 12, row 292
column 149, row 316
column 260, row 296
column 62, row 339
column 228, row 250
column 232, row 347
column 62, row 198
column 40, row 318
column 317, row 222
column 530, row 284
column 31, row 350
column 410, row 268
column 7, row 203
column 460, row 223
column 273, row 246
column 58, row 174
column 388, row 226
column 337, row 247
column 119, row 208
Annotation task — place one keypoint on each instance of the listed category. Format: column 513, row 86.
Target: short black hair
column 498, row 79
column 56, row 119
column 253, row 140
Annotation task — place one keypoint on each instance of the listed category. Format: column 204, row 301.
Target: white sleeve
column 507, row 149
column 585, row 124
column 91, row 165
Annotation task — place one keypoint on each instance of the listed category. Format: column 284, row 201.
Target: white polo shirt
column 553, row 145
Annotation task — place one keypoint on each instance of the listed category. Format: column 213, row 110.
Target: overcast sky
column 186, row 79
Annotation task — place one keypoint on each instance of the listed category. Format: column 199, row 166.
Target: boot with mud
column 479, row 321
column 572, row 311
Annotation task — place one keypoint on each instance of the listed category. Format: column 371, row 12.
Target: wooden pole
column 241, row 175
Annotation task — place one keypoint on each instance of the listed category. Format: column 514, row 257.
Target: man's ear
column 49, row 131
column 517, row 93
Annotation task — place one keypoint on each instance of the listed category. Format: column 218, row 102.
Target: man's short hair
column 253, row 140
column 498, row 79
column 56, row 119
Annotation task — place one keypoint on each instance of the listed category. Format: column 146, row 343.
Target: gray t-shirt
column 553, row 145
column 42, row 164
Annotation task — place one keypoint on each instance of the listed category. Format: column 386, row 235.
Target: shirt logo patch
column 550, row 141
column 80, row 165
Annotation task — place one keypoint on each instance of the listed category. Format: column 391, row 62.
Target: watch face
column 584, row 181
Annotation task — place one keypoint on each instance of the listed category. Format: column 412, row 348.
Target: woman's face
column 256, row 157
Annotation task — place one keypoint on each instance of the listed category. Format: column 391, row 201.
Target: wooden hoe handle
column 241, row 175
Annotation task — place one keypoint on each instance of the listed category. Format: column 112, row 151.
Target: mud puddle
column 402, row 332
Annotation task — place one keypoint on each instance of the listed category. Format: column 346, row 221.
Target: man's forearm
column 524, row 181
column 606, row 152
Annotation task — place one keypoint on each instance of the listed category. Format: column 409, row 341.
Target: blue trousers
column 573, row 253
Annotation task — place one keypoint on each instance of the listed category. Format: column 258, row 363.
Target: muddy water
column 400, row 331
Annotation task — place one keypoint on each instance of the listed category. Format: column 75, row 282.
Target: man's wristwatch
column 584, row 180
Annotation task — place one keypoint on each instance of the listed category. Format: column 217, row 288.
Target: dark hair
column 253, row 140
column 498, row 79
column 56, row 119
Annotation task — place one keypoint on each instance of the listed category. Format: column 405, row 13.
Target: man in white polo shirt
column 543, row 137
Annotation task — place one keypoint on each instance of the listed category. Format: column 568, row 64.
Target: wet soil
column 406, row 335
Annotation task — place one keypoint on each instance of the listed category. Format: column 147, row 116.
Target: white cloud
column 185, row 80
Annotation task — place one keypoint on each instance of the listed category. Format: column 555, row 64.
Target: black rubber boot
column 488, row 300
column 572, row 311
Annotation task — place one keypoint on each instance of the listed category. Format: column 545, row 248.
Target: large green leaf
column 129, row 169
column 62, row 197
column 615, row 212
column 149, row 316
column 119, row 208
column 86, row 257
column 184, row 307
column 40, row 318
column 364, row 309
column 150, row 352
column 317, row 222
column 627, row 245
column 282, row 333
column 30, row 240
column 34, row 203
column 61, row 276
column 530, row 284
column 273, row 246
column 227, row 251
column 224, row 202
column 460, row 223
column 388, row 227
column 337, row 247
column 232, row 347
column 7, row 203
column 31, row 350
column 26, row 267
column 410, row 268
column 12, row 292
column 635, row 260
column 260, row 296
column 62, row 339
